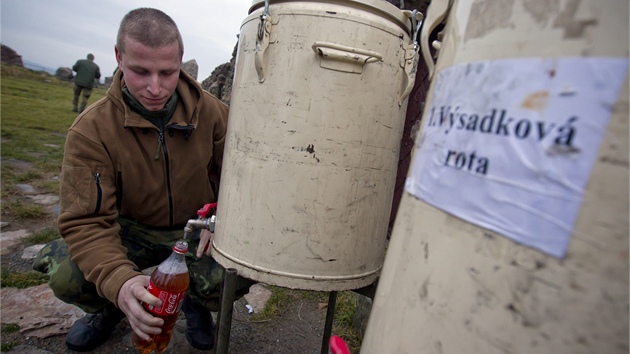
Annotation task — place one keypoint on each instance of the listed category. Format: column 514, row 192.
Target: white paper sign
column 509, row 145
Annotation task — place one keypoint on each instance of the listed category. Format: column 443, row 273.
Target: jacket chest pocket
column 81, row 190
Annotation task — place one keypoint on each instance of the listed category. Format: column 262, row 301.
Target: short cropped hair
column 150, row 27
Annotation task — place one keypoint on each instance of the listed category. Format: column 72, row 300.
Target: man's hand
column 205, row 239
column 130, row 298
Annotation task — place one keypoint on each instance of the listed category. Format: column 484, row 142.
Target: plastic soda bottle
column 169, row 282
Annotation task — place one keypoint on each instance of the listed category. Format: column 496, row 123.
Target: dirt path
column 299, row 329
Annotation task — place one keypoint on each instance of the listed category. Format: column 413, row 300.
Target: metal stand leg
column 224, row 317
column 330, row 316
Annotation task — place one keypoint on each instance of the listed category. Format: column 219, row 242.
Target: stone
column 19, row 164
column 45, row 199
column 9, row 239
column 26, row 188
column 29, row 349
column 56, row 210
column 3, row 224
column 37, row 311
column 257, row 297
column 30, row 252
column 362, row 314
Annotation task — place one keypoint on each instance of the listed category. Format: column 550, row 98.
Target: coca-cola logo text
column 171, row 302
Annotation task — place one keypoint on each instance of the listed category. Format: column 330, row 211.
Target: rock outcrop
column 11, row 57
column 64, row 74
column 191, row 68
column 227, row 70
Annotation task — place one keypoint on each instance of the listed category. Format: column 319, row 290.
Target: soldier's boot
column 199, row 325
column 93, row 329
column 74, row 109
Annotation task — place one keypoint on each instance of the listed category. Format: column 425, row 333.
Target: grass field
column 36, row 111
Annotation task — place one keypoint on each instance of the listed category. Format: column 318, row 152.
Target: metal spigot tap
column 203, row 221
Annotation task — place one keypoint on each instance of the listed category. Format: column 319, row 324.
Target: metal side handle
column 344, row 53
column 262, row 42
column 410, row 60
column 436, row 13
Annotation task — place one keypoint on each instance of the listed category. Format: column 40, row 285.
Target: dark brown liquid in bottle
column 174, row 283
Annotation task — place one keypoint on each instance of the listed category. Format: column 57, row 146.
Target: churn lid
column 383, row 8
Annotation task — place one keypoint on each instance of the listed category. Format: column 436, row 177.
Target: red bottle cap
column 181, row 247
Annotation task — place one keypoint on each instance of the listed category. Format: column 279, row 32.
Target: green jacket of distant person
column 86, row 71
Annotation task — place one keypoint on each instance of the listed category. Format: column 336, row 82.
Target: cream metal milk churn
column 512, row 233
column 316, row 117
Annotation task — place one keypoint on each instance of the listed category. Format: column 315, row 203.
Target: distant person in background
column 216, row 89
column 86, row 71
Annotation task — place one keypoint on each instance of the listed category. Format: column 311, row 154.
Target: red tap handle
column 203, row 212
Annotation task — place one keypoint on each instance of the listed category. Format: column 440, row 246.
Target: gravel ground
column 299, row 329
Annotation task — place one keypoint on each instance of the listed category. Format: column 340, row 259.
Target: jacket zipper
column 160, row 144
column 99, row 192
column 168, row 175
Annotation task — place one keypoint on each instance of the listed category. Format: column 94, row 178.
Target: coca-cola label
column 171, row 302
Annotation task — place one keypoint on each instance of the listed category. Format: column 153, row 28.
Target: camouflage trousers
column 146, row 247
column 87, row 92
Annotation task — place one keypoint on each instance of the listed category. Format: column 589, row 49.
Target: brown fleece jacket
column 110, row 166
